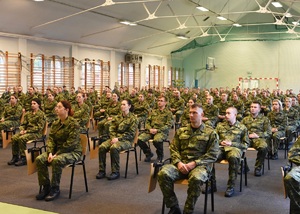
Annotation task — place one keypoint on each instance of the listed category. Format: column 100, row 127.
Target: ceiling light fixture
column 295, row 23
column 182, row 37
column 237, row 25
column 202, row 8
column 221, row 18
column 288, row 15
column 276, row 4
column 124, row 22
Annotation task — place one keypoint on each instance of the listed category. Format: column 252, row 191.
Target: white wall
column 268, row 59
column 79, row 51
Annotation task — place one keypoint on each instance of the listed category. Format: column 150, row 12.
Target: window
column 129, row 75
column 10, row 70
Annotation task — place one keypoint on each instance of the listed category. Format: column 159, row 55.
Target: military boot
column 21, row 162
column 14, row 160
column 45, row 191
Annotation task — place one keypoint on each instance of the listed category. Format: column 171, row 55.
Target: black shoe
column 148, row 157
column 100, row 175
column 229, row 192
column 114, row 176
column 275, row 156
column 244, row 171
column 21, row 162
column 258, row 171
column 54, row 193
column 45, row 191
column 208, row 189
column 14, row 160
column 175, row 210
column 159, row 158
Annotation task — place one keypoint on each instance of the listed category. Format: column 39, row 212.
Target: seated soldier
column 30, row 129
column 157, row 128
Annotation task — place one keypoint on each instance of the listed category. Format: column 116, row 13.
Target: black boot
column 21, row 162
column 14, row 160
column 54, row 193
column 45, row 191
column 148, row 157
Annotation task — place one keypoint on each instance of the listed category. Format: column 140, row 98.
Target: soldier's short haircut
column 196, row 105
column 166, row 99
column 256, row 102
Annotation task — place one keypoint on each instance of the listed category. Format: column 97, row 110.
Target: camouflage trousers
column 7, row 125
column 259, row 144
column 19, row 142
column 289, row 132
column 274, row 144
column 169, row 174
column 292, row 181
column 158, row 140
column 114, row 150
column 58, row 163
column 233, row 156
column 103, row 127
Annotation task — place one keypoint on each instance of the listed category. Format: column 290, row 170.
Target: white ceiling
column 96, row 22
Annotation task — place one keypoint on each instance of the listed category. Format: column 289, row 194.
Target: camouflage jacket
column 141, row 109
column 12, row 113
column 237, row 134
column 123, row 128
column 277, row 120
column 259, row 125
column 292, row 116
column 200, row 145
column 161, row 120
column 33, row 123
column 81, row 114
column 64, row 137
column 294, row 153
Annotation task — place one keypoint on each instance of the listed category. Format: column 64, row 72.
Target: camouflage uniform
column 238, row 135
column 103, row 104
column 161, row 120
column 123, row 128
column 277, row 120
column 211, row 112
column 33, row 124
column 82, row 115
column 64, row 142
column 177, row 104
column 141, row 110
column 12, row 116
column 49, row 109
column 292, row 179
column 292, row 122
column 239, row 105
column 185, row 118
column 26, row 103
column 113, row 109
column 261, row 126
column 200, row 145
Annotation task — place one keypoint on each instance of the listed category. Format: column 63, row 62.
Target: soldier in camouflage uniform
column 30, row 129
column 185, row 118
column 292, row 115
column 121, row 132
column 6, row 95
column 63, row 147
column 292, row 179
column 239, row 105
column 223, row 105
column 100, row 108
column 81, row 112
column 234, row 141
column 259, row 130
column 49, row 108
column 10, row 117
column 26, row 103
column 141, row 110
column 177, row 105
column 266, row 103
column 113, row 109
column 157, row 128
column 193, row 151
column 211, row 112
column 278, row 123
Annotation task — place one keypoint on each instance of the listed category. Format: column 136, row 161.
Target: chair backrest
column 45, row 129
column 83, row 141
column 136, row 136
column 283, row 173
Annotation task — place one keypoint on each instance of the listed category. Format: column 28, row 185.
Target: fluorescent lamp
column 276, row 4
column 124, row 22
column 202, row 8
column 221, row 18
column 237, row 25
column 295, row 23
column 288, row 15
column 182, row 37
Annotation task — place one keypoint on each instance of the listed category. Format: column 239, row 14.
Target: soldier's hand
column 182, row 168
